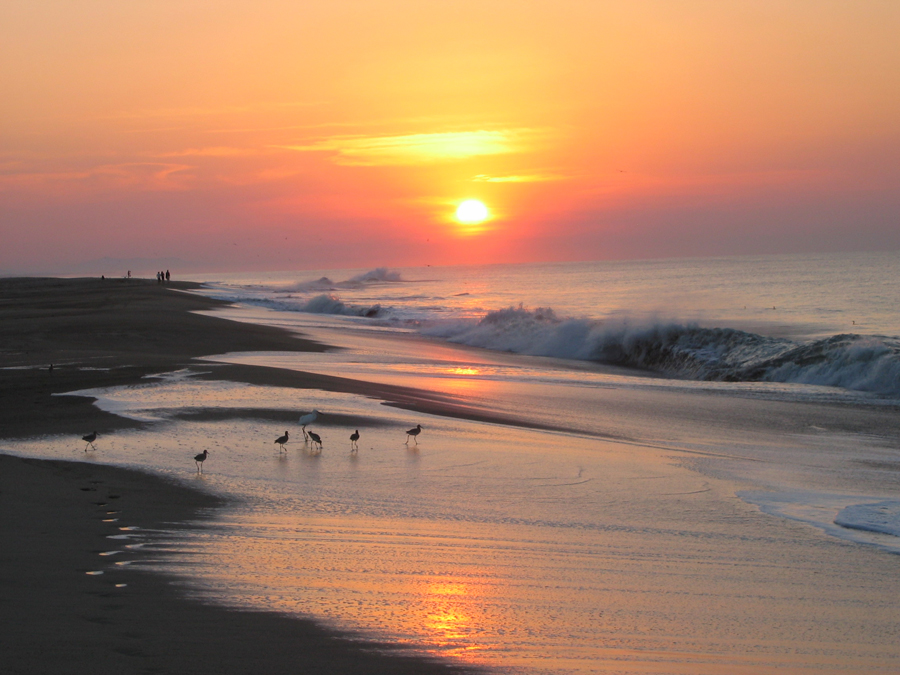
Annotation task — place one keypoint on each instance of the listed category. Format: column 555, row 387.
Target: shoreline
column 58, row 618
column 115, row 332
column 686, row 519
column 100, row 334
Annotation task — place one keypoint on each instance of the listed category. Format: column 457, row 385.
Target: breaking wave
column 316, row 296
column 677, row 349
column 324, row 284
column 331, row 304
column 322, row 303
column 378, row 275
column 688, row 351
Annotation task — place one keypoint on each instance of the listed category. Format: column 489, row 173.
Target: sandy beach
column 553, row 517
column 484, row 337
column 57, row 616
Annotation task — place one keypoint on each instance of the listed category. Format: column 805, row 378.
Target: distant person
column 167, row 275
column 129, row 274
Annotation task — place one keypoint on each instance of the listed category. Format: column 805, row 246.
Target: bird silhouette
column 315, row 438
column 414, row 432
column 89, row 440
column 281, row 440
column 200, row 459
column 309, row 418
column 354, row 437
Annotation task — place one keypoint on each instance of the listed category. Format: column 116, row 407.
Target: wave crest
column 331, row 304
column 379, row 274
column 324, row 284
column 688, row 351
column 320, row 284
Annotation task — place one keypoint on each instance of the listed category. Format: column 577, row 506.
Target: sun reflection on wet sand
column 538, row 552
column 447, row 615
column 464, row 370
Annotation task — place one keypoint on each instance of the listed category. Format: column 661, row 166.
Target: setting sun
column 471, row 212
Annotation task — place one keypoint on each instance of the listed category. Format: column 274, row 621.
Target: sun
column 472, row 212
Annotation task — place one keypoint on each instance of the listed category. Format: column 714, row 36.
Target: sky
column 275, row 135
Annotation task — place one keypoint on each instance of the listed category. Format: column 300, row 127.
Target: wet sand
column 104, row 333
column 57, row 617
column 690, row 578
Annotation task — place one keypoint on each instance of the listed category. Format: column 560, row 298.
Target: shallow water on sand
column 621, row 546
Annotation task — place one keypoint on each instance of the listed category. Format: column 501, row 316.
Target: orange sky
column 343, row 133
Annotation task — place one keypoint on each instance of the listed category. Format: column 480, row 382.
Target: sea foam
column 331, row 304
column 881, row 517
column 669, row 346
column 687, row 350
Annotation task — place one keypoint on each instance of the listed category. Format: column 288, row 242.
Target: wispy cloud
column 135, row 175
column 199, row 111
column 420, row 148
column 218, row 151
column 523, row 178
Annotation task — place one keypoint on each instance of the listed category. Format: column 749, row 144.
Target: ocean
column 705, row 477
column 827, row 320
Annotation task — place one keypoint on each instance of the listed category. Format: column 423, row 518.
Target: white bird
column 89, row 439
column 200, row 459
column 307, row 419
column 281, row 440
column 354, row 437
column 414, row 432
column 315, row 438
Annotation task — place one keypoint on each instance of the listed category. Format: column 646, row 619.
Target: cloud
column 527, row 178
column 218, row 151
column 135, row 175
column 419, row 148
column 188, row 112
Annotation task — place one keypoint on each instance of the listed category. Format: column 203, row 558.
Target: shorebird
column 307, row 419
column 200, row 459
column 414, row 432
column 354, row 437
column 315, row 438
column 281, row 440
column 89, row 439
